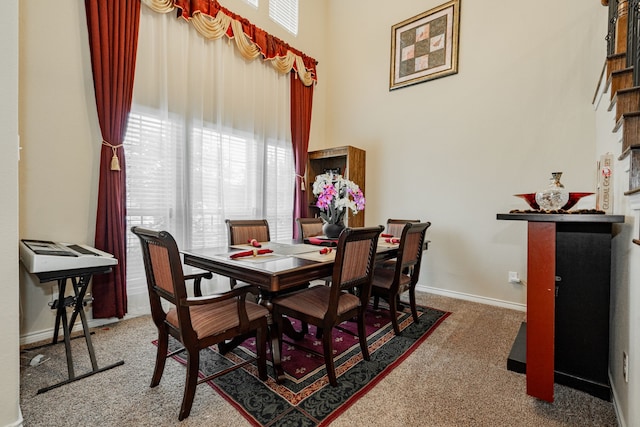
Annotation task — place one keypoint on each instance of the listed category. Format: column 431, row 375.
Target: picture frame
column 425, row 47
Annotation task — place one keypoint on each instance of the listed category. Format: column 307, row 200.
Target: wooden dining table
column 290, row 266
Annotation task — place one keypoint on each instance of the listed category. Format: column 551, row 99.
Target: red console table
column 565, row 338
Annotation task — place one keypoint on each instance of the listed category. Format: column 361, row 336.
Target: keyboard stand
column 80, row 278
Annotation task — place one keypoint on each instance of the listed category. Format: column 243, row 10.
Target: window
column 285, row 13
column 208, row 138
column 189, row 188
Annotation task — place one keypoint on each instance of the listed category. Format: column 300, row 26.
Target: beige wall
column 9, row 336
column 452, row 151
column 61, row 140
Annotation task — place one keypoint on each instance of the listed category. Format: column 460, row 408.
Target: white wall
column 9, row 355
column 625, row 297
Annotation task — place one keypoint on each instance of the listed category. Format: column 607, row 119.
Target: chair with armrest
column 196, row 274
column 328, row 306
column 390, row 283
column 196, row 322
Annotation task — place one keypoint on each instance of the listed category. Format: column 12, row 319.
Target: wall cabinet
column 349, row 162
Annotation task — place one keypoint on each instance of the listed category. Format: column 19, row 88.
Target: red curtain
column 301, row 103
column 113, row 40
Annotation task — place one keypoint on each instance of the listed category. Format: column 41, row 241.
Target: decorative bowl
column 530, row 198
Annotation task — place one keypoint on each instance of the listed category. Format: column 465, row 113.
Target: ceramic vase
column 332, row 231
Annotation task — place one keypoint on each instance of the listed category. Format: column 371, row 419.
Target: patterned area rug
column 306, row 398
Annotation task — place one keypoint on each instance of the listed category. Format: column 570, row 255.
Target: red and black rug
column 306, row 398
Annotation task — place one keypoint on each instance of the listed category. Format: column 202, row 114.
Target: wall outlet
column 514, row 277
column 625, row 366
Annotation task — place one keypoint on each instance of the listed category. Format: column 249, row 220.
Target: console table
column 565, row 338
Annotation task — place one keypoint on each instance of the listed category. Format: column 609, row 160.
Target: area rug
column 305, row 398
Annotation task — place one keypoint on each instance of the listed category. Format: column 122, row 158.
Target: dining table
column 275, row 268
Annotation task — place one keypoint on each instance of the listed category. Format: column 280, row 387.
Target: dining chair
column 196, row 322
column 196, row 274
column 309, row 227
column 328, row 306
column 394, row 228
column 390, row 283
column 242, row 231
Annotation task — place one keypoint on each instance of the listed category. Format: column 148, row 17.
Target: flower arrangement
column 336, row 195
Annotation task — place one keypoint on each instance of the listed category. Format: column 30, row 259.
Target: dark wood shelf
column 351, row 162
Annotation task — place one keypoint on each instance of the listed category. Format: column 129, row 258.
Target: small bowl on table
column 530, row 198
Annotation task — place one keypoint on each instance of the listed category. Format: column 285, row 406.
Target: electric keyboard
column 42, row 256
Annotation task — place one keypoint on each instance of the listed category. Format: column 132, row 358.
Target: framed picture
column 425, row 47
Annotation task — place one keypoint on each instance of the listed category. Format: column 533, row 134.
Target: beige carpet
column 457, row 377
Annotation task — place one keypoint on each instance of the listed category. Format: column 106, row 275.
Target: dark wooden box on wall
column 349, row 162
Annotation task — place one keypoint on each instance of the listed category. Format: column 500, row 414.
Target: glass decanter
column 555, row 196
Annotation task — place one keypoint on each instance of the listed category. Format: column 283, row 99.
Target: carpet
column 306, row 398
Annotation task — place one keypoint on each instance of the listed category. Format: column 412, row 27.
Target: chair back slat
column 159, row 257
column 354, row 264
column 310, row 227
column 242, row 231
column 412, row 247
column 165, row 277
column 395, row 226
column 410, row 250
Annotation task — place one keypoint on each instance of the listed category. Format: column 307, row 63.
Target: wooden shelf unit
column 350, row 160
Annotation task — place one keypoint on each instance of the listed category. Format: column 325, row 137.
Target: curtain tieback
column 302, row 186
column 115, row 163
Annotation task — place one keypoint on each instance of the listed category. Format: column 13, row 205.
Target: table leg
column 276, row 351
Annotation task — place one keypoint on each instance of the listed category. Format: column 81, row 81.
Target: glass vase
column 555, row 196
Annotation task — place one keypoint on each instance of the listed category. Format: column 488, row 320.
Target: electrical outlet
column 625, row 366
column 514, row 277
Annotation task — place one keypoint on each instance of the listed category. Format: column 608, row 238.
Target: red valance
column 270, row 46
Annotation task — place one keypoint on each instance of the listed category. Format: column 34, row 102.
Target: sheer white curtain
column 208, row 139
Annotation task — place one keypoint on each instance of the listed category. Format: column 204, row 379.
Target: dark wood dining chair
column 390, row 283
column 241, row 231
column 394, row 228
column 196, row 274
column 328, row 306
column 196, row 322
column 309, row 227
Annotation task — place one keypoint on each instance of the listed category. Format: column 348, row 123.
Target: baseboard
column 142, row 308
column 614, row 399
column 473, row 298
column 47, row 334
